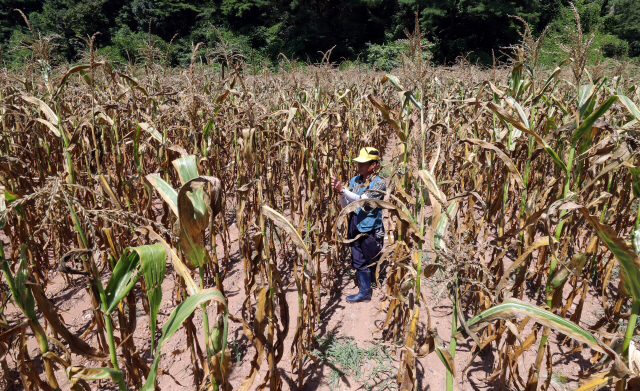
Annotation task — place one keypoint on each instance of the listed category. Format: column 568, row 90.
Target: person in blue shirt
column 365, row 251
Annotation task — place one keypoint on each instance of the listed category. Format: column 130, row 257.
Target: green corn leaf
column 550, row 79
column 628, row 103
column 513, row 308
column 188, row 170
column 78, row 68
column 7, row 199
column 635, row 175
column 178, row 265
column 21, row 295
column 442, row 225
column 186, row 167
column 22, row 276
column 585, row 94
column 168, row 194
column 125, row 274
column 86, row 77
column 409, row 95
column 587, row 124
column 206, row 130
column 154, row 265
column 152, row 131
column 179, row 315
column 519, row 110
column 393, row 80
column 124, row 277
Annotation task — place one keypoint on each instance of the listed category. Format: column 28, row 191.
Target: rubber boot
column 364, row 277
column 372, row 270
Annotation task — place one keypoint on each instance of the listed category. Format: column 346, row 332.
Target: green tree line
column 369, row 31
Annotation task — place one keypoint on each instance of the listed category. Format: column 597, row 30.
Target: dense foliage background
column 368, row 31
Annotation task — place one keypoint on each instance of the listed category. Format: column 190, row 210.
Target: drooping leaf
column 547, row 83
column 544, row 241
column 442, row 225
column 126, row 273
column 437, row 199
column 48, row 112
column 76, row 344
column 77, row 68
column 446, row 359
column 168, row 194
column 94, row 373
column 186, row 167
column 280, row 221
column 502, row 113
column 503, row 156
column 385, row 111
column 194, row 216
column 50, row 126
column 629, row 262
column 368, row 203
column 514, row 308
column 630, row 105
column 82, row 373
column 572, row 267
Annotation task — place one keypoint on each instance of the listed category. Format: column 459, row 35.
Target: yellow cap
column 367, row 154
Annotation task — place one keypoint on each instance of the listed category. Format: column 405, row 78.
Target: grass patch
column 372, row 367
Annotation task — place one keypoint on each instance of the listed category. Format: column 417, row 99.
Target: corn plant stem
column 205, row 315
column 505, row 198
column 103, row 296
column 420, row 218
column 606, row 203
column 111, row 341
column 565, row 192
column 638, row 217
column 631, row 325
column 205, row 324
column 554, row 260
column 453, row 341
column 65, row 142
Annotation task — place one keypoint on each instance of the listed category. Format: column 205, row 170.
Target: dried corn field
column 511, row 198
